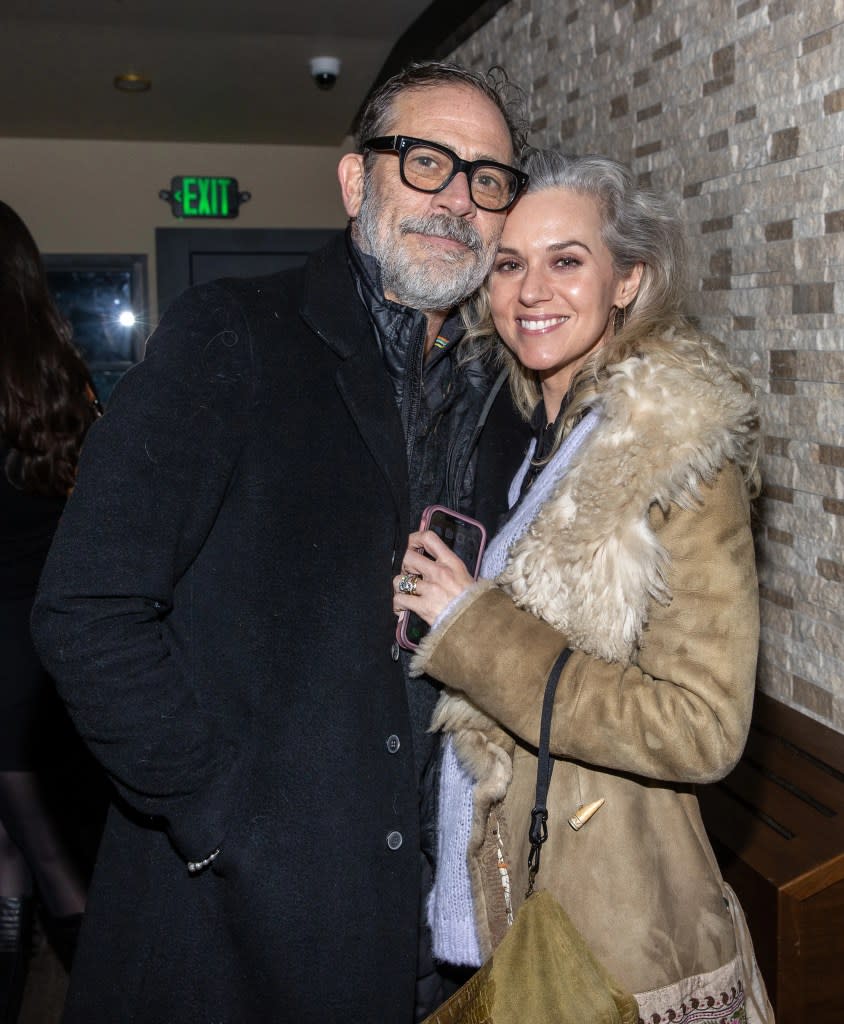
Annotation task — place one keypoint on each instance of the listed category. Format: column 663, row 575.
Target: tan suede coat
column 643, row 560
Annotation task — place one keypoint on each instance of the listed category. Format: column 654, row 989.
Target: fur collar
column 590, row 564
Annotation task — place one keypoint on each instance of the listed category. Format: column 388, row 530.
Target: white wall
column 87, row 196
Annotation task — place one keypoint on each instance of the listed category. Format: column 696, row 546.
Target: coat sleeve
column 682, row 712
column 153, row 474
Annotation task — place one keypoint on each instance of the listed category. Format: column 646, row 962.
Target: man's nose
column 456, row 197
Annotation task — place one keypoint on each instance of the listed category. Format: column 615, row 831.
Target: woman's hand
column 432, row 577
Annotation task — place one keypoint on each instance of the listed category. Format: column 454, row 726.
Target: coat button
column 394, row 840
column 393, row 743
column 394, row 651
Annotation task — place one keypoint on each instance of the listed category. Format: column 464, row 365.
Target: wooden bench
column 777, row 826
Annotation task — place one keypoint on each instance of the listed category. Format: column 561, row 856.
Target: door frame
column 174, row 247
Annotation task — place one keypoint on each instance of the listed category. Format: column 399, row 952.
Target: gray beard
column 439, row 283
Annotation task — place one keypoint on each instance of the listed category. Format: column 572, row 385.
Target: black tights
column 31, row 848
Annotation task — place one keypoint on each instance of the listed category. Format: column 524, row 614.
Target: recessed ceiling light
column 131, row 82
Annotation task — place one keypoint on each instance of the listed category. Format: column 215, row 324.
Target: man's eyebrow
column 476, row 158
column 486, row 158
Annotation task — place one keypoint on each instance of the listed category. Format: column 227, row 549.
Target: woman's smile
column 532, row 325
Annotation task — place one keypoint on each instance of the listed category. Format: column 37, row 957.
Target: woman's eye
column 506, row 265
column 568, row 261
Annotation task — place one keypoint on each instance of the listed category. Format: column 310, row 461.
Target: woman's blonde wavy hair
column 637, row 227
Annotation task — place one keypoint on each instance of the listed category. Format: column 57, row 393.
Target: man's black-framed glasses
column 429, row 167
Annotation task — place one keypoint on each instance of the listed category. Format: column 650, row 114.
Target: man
column 217, row 605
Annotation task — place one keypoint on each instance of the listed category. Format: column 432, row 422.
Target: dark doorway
column 189, row 256
column 104, row 299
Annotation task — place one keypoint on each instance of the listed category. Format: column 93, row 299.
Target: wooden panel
column 777, row 825
column 822, row 943
column 791, row 973
column 743, row 832
column 817, row 740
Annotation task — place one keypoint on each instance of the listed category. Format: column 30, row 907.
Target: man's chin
column 430, row 277
column 431, row 298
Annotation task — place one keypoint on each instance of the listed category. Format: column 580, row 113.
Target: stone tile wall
column 737, row 109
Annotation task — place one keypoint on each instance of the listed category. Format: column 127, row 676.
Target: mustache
column 454, row 228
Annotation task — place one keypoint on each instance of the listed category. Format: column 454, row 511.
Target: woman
column 46, row 405
column 630, row 544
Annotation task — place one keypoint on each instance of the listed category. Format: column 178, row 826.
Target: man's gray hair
column 377, row 116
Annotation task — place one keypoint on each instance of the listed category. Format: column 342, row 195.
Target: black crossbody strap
column 545, row 765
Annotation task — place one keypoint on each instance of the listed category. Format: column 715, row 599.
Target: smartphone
column 467, row 538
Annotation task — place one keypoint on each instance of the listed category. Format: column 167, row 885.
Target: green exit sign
column 198, row 197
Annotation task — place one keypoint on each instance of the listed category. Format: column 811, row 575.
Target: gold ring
column 407, row 584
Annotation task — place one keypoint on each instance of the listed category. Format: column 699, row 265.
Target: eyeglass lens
column 428, row 169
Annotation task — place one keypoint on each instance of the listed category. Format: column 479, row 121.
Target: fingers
column 432, row 576
column 427, row 601
column 423, row 547
column 408, row 583
column 406, row 587
column 403, row 596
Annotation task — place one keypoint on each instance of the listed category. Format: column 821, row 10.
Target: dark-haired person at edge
column 628, row 544
column 216, row 607
column 46, row 406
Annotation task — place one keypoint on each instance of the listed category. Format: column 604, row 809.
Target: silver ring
column 407, row 584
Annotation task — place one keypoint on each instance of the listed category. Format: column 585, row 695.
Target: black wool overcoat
column 216, row 610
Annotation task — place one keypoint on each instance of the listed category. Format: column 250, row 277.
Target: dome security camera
column 324, row 71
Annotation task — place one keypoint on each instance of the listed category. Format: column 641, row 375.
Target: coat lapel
column 363, row 383
column 334, row 310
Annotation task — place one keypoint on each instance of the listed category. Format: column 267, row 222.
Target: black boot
column 15, row 932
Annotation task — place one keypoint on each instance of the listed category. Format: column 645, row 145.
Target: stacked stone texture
column 737, row 110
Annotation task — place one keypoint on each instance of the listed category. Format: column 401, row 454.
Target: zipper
column 410, row 407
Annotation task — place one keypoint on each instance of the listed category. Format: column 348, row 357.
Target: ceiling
column 233, row 71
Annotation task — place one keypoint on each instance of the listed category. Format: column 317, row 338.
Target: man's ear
column 350, row 174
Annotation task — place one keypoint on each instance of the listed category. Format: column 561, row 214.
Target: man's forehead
column 458, row 116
